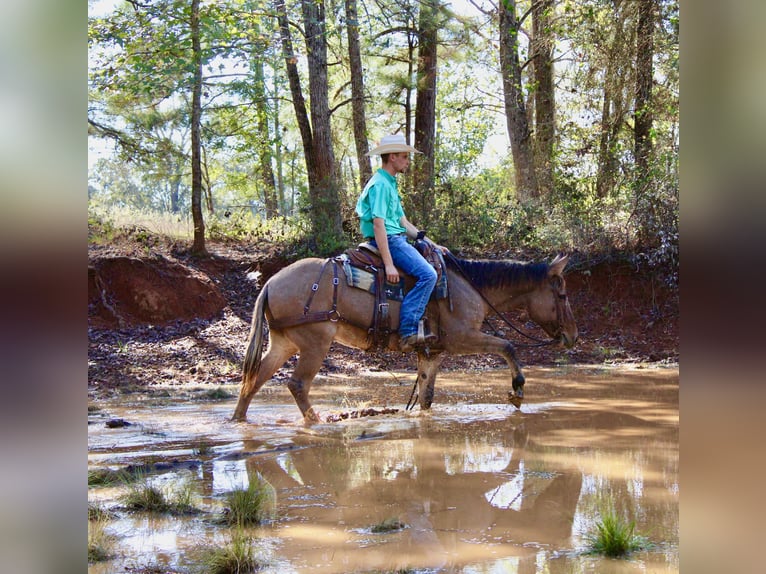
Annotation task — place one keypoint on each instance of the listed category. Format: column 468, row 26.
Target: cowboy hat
column 393, row 144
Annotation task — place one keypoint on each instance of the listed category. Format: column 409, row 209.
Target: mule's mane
column 489, row 274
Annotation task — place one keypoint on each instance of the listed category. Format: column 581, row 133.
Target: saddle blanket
column 362, row 279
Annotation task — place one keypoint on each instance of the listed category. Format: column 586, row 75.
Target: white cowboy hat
column 393, row 144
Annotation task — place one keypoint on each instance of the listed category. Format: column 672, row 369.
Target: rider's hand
column 392, row 274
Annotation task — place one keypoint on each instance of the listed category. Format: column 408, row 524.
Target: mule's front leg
column 428, row 366
column 516, row 396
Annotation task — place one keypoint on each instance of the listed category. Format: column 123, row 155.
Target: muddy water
column 479, row 486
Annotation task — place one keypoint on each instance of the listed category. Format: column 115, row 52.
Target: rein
column 539, row 342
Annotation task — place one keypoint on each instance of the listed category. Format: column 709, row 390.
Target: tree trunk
column 614, row 104
column 299, row 103
column 545, row 121
column 612, row 118
column 175, row 185
column 198, row 247
column 282, row 200
column 266, row 171
column 644, row 72
column 515, row 111
column 425, row 111
column 357, row 93
column 325, row 198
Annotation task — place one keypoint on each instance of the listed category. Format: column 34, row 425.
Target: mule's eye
column 562, row 296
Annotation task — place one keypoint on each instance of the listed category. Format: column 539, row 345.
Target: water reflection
column 514, row 493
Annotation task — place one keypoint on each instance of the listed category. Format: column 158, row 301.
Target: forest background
column 548, row 125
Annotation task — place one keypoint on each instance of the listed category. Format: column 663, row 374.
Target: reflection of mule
column 346, row 313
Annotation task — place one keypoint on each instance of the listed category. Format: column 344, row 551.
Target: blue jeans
column 407, row 258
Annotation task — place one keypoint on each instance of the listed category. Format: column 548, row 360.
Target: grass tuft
column 615, row 536
column 388, row 525
column 146, row 497
column 109, row 477
column 254, row 505
column 97, row 512
column 236, row 557
column 100, row 542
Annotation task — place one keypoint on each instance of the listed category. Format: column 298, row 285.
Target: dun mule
column 477, row 289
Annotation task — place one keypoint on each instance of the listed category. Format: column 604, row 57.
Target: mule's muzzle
column 568, row 340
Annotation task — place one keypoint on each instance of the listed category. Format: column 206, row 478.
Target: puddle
column 478, row 487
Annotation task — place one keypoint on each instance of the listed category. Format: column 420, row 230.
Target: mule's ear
column 557, row 265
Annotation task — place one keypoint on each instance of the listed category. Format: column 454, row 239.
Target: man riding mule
column 384, row 225
column 332, row 310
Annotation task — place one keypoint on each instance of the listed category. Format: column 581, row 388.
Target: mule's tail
column 252, row 363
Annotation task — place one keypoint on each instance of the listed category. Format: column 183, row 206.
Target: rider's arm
column 381, row 239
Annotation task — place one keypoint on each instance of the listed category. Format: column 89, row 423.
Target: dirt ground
column 158, row 316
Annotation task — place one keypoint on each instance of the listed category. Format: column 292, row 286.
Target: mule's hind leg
column 310, row 359
column 428, row 366
column 280, row 349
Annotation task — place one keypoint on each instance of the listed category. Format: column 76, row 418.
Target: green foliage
column 252, row 505
column 140, row 78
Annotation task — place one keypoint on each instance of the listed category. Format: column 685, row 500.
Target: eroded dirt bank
column 186, row 321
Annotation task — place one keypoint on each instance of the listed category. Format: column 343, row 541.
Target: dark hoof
column 515, row 400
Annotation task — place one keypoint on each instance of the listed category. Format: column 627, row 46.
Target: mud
column 474, row 485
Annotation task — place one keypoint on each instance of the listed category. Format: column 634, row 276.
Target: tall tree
column 316, row 133
column 644, row 74
column 615, row 57
column 198, row 246
column 545, row 113
column 357, row 93
column 263, row 142
column 425, row 110
column 515, row 109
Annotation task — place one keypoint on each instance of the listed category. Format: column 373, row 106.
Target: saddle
column 366, row 257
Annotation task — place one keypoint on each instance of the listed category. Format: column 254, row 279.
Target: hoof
column 515, row 400
column 311, row 416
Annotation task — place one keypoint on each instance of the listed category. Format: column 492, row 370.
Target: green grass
column 146, row 497
column 100, row 542
column 236, row 557
column 388, row 525
column 109, row 477
column 615, row 536
column 252, row 505
column 217, row 394
column 98, row 512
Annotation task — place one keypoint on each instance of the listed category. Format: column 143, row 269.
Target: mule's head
column 548, row 305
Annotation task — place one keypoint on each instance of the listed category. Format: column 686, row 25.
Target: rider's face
column 399, row 161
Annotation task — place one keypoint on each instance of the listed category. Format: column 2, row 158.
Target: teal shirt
column 380, row 198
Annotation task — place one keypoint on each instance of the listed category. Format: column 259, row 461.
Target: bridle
column 561, row 301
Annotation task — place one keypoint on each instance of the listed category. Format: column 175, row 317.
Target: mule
column 477, row 288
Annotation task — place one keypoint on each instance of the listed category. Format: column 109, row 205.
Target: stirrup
column 425, row 336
